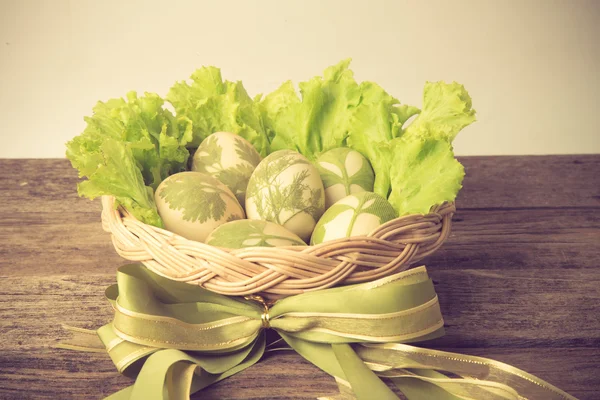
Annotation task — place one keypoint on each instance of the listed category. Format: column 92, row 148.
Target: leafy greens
column 335, row 110
column 127, row 149
column 130, row 145
column 214, row 105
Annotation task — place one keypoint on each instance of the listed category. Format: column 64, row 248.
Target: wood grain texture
column 490, row 182
column 518, row 281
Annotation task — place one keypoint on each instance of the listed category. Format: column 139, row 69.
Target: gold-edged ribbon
column 177, row 339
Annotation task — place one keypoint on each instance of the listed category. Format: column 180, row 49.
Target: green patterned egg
column 228, row 157
column 344, row 171
column 251, row 233
column 354, row 215
column 286, row 188
column 193, row 204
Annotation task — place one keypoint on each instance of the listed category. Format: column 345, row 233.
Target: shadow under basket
column 275, row 272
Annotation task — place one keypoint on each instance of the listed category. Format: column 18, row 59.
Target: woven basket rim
column 279, row 271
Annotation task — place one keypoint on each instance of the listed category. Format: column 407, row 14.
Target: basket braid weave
column 279, row 271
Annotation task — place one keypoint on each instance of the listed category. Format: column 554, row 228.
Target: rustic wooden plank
column 41, row 242
column 511, row 308
column 48, row 185
column 280, row 376
column 85, row 376
column 55, row 243
column 573, row 370
column 481, row 308
column 491, row 182
column 531, row 240
column 530, row 181
column 523, row 324
column 518, row 281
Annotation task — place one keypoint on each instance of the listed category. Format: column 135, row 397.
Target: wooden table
column 518, row 281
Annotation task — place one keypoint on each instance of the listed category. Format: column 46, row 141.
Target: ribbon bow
column 178, row 339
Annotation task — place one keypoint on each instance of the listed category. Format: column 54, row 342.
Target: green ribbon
column 177, row 339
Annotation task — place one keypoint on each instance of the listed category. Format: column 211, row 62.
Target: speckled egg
column 344, row 171
column 193, row 204
column 251, row 233
column 354, row 215
column 228, row 157
column 286, row 188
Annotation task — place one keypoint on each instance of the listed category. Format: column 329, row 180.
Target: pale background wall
column 532, row 66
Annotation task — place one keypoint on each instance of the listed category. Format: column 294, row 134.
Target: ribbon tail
column 322, row 356
column 341, row 362
column 81, row 340
column 251, row 357
column 417, row 369
column 453, row 389
column 417, row 389
column 365, row 384
column 344, row 392
column 174, row 375
column 319, row 354
column 179, row 380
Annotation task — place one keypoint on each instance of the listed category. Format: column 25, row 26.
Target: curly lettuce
column 127, row 148
column 215, row 105
column 130, row 145
column 336, row 111
column 424, row 173
column 447, row 109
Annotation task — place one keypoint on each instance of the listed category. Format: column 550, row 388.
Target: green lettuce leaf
column 156, row 138
column 118, row 175
column 421, row 163
column 318, row 120
column 375, row 122
column 378, row 125
column 215, row 105
column 138, row 133
column 336, row 111
column 278, row 117
column 446, row 110
column 423, row 173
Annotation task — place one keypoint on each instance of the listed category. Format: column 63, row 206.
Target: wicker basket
column 279, row 271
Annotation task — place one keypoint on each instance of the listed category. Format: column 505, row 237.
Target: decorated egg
column 250, row 233
column 229, row 158
column 286, row 188
column 193, row 204
column 354, row 215
column 344, row 171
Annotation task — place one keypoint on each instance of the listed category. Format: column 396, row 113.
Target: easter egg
column 193, row 204
column 229, row 158
column 285, row 188
column 344, row 171
column 354, row 215
column 251, row 233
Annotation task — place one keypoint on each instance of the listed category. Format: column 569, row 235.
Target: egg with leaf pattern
column 355, row 215
column 344, row 171
column 286, row 188
column 228, row 157
column 252, row 233
column 193, row 204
